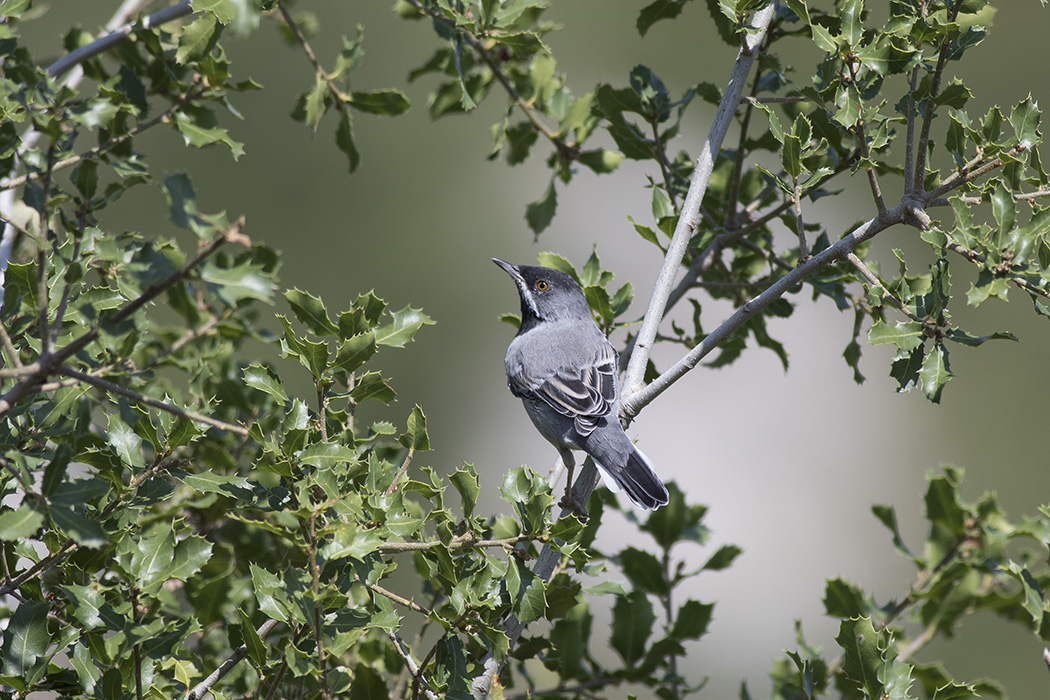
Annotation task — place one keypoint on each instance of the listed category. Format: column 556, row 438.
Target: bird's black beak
column 511, row 270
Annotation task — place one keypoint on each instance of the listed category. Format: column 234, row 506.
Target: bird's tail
column 623, row 466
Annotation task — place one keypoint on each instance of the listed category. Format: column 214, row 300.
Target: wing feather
column 585, row 393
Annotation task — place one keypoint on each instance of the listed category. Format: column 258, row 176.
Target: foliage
column 176, row 521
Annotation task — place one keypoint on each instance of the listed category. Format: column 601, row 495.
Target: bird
column 563, row 368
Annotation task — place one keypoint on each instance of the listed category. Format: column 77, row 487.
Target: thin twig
column 927, row 117
column 729, row 221
column 410, row 665
column 688, row 221
column 800, row 227
column 401, row 471
column 315, row 583
column 404, row 602
column 456, row 544
column 205, row 686
column 909, row 141
column 109, row 386
column 874, row 281
column 978, row 259
column 9, row 346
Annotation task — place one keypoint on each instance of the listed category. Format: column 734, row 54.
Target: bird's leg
column 567, row 500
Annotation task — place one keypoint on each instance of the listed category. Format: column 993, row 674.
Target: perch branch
column 689, row 218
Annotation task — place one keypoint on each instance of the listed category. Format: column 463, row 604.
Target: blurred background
column 789, row 463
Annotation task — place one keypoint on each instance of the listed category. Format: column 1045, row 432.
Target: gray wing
column 584, row 393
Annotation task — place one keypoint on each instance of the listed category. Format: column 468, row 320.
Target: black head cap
column 546, row 294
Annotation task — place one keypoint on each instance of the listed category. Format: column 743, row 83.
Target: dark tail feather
column 641, row 483
column 635, row 476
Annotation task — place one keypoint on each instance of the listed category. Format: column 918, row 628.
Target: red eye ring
column 542, row 285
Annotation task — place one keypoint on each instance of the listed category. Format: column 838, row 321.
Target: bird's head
column 546, row 294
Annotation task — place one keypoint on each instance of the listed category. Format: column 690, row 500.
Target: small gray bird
column 563, row 369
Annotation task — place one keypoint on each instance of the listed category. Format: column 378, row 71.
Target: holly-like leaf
column 862, row 656
column 26, row 638
column 403, row 327
column 311, row 311
column 265, row 379
column 415, row 436
column 632, row 624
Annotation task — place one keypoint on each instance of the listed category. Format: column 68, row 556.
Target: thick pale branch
column 689, row 218
column 903, row 213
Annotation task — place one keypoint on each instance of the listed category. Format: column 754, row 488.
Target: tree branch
column 908, row 211
column 119, row 36
column 205, row 686
column 689, row 218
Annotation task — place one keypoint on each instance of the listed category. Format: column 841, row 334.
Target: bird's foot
column 571, row 504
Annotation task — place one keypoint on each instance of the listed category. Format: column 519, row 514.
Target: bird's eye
column 542, row 285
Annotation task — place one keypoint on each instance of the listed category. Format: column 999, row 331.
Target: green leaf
column 862, row 658
column 1033, row 594
column 466, row 481
column 403, row 327
column 371, row 385
column 368, row 685
column 723, row 558
column 600, row 160
column 311, row 311
column 21, row 522
column 254, row 645
column 963, row 338
column 676, row 521
column 692, row 620
column 450, row 669
column 327, row 455
column 1024, row 118
column 956, row 691
column 26, row 638
column 182, row 201
column 265, row 379
column 415, row 436
column 386, row 102
column 344, row 140
column 528, row 598
column 935, row 373
column 888, row 516
column 199, row 128
column 246, row 280
column 906, row 335
column 355, row 351
column 644, row 571
column 632, row 623
column 540, row 213
column 84, row 664
column 125, row 443
column 198, row 39
column 208, row 481
column 842, row 599
column 656, row 11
